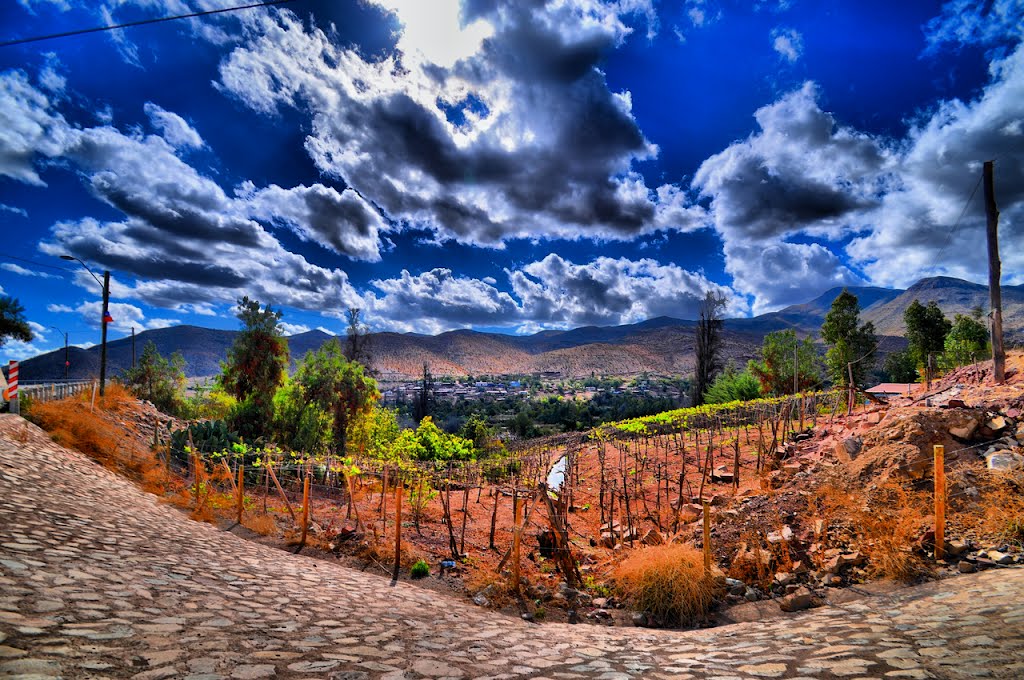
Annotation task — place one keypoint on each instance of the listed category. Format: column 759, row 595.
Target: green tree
column 733, row 385
column 966, row 341
column 927, row 327
column 900, row 367
column 338, row 387
column 850, row 342
column 157, row 379
column 708, row 344
column 774, row 367
column 12, row 321
column 255, row 368
column 438, row 445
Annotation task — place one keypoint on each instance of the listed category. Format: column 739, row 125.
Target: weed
column 420, row 569
column 667, row 583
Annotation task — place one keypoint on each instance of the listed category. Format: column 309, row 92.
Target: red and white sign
column 11, row 393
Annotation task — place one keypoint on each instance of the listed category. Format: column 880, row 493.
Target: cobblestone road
column 98, row 579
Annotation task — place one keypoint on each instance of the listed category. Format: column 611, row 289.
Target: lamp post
column 67, row 362
column 106, row 315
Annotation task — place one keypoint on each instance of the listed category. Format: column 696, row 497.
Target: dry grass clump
column 667, row 583
column 73, row 423
column 757, row 560
column 994, row 509
column 884, row 523
column 262, row 524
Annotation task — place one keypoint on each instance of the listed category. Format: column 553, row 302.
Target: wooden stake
column 940, row 501
column 994, row 273
column 196, row 467
column 494, row 520
column 515, row 539
column 707, row 538
column 92, row 406
column 398, row 532
column 288, row 505
column 241, row 492
column 305, row 510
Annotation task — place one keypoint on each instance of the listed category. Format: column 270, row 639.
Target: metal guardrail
column 51, row 391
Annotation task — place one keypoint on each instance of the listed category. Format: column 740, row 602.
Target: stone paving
column 99, row 580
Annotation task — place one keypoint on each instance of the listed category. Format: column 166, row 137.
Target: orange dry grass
column 73, row 424
column 997, row 512
column 667, row 583
column 262, row 524
column 885, row 522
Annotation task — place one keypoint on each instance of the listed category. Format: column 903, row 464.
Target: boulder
column 996, row 424
column 653, row 537
column 999, row 557
column 848, row 449
column 798, row 601
column 966, row 567
column 690, row 512
column 480, row 601
column 783, row 535
column 1004, row 460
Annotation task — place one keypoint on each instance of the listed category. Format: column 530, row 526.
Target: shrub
column 668, row 584
column 420, row 569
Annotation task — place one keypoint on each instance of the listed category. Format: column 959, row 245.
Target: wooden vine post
column 305, row 510
column 241, row 492
column 707, row 537
column 515, row 538
column 940, row 501
column 197, row 465
column 398, row 532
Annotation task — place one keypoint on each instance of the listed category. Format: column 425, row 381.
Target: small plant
column 667, row 583
column 599, row 589
column 420, row 569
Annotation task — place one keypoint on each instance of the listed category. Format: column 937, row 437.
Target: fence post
column 305, row 510
column 241, row 491
column 515, row 538
column 707, row 537
column 398, row 532
column 196, row 464
column 940, row 501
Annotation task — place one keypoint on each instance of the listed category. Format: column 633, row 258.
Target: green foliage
column 900, row 367
column 437, row 445
column 420, row 569
column 158, row 380
column 731, row 385
column 255, row 367
column 967, row 340
column 338, row 387
column 774, row 366
column 209, row 404
column 848, row 340
column 927, row 328
column 12, row 321
column 211, row 436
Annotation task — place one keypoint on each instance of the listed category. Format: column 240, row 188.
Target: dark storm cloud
column 546, row 150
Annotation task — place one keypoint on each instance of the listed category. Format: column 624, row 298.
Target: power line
column 141, row 22
column 949, row 236
column 33, row 262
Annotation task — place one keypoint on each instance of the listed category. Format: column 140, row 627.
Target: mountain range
column 661, row 345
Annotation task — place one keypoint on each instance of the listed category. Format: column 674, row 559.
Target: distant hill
column 953, row 296
column 660, row 345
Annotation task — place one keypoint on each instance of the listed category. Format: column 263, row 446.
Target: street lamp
column 67, row 362
column 106, row 315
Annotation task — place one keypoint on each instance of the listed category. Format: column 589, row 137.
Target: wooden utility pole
column 994, row 272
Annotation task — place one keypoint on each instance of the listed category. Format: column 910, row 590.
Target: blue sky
column 497, row 164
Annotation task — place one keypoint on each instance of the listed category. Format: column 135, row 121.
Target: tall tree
column 337, row 387
column 425, row 395
column 775, row 364
column 708, row 344
column 967, row 340
column 733, row 385
column 157, row 379
column 256, row 367
column 12, row 321
column 927, row 328
column 900, row 367
column 357, row 339
column 850, row 342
